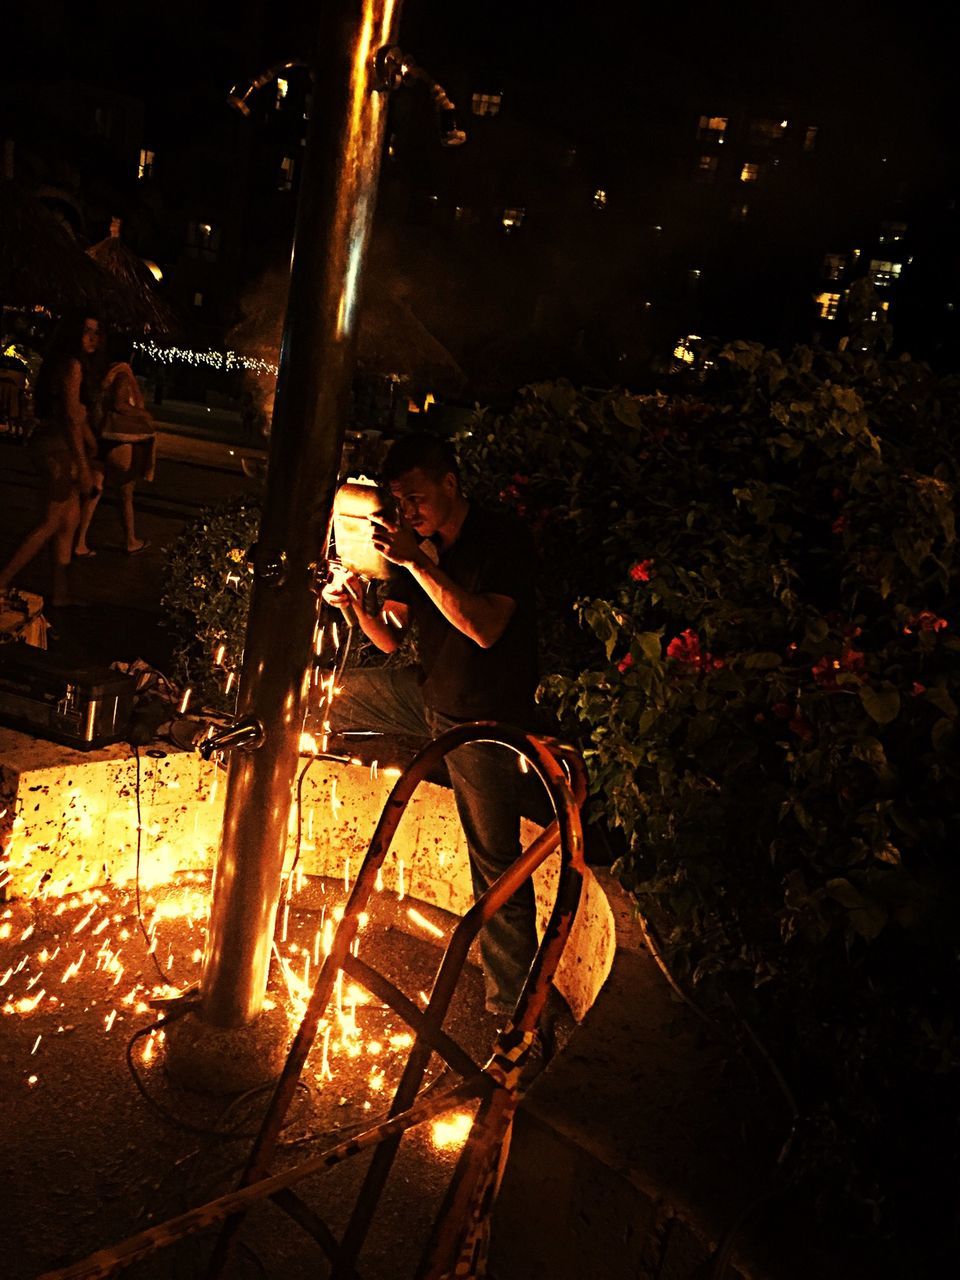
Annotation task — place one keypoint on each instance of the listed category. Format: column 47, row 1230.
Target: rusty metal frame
column 458, row 1234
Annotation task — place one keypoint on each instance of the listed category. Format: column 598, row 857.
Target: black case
column 85, row 707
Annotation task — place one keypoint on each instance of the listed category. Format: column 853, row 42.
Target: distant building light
column 198, row 299
column 738, row 212
column 145, row 167
column 784, row 124
column 658, row 229
column 767, row 130
column 513, row 218
column 696, row 273
column 810, row 137
column 951, row 306
column 286, row 173
column 153, row 269
column 750, row 173
column 204, row 228
column 283, row 88
column 892, row 232
column 708, row 164
column 829, row 304
column 834, row 265
column 712, row 126
column 486, row 104
column 855, row 254
column 884, row 273
column 600, row 198
column 684, row 351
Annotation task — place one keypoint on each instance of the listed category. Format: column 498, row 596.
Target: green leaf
column 866, row 916
column 942, row 701
column 761, row 661
column 882, row 705
column 941, row 735
column 650, row 643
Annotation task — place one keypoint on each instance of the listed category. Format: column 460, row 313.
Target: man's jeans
column 487, row 785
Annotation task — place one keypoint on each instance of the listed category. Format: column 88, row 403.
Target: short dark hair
column 434, row 456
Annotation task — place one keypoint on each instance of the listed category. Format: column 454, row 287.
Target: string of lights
column 220, row 361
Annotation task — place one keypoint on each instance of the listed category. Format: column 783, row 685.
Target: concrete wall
column 71, row 823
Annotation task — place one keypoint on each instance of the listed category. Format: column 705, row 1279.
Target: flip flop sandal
column 143, row 547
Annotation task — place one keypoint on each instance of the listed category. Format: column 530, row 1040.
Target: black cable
column 151, row 951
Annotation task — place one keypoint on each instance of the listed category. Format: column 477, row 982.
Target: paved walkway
column 120, row 614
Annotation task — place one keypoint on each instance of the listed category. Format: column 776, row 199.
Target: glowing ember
column 451, row 1131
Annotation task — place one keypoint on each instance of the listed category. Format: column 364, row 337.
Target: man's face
column 424, row 503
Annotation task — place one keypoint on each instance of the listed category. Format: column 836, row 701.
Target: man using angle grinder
column 465, row 580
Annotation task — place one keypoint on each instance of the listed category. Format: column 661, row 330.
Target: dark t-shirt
column 493, row 553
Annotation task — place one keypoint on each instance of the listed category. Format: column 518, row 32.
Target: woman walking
column 63, row 447
column 125, row 444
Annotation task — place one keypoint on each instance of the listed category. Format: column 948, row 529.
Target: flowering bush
column 766, row 688
column 206, row 597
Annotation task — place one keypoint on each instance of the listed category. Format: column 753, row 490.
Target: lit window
column 708, row 164
column 203, row 239
column 829, row 304
column 486, row 104
column 600, row 198
column 286, row 173
column 513, row 218
column 712, row 127
column 684, row 351
column 810, row 137
column 892, row 232
column 750, row 173
column 881, row 310
column 833, row 266
column 768, row 130
column 198, row 299
column 884, row 273
column 283, row 88
column 145, row 167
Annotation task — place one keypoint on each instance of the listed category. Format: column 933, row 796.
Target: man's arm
column 482, row 616
column 384, row 628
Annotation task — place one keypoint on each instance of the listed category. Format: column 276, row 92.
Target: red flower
column 918, row 689
column 852, row 660
column 519, row 479
column 783, row 710
column 925, row 621
column 640, row 572
column 625, row 664
column 839, row 525
column 686, row 648
column 801, row 726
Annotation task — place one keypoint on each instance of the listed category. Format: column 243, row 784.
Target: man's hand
column 397, row 543
column 344, row 591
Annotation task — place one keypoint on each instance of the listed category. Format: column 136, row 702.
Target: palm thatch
column 392, row 338
column 42, row 265
column 136, row 280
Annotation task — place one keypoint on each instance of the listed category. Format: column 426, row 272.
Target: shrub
column 766, row 682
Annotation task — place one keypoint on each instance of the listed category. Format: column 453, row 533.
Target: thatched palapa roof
column 136, row 280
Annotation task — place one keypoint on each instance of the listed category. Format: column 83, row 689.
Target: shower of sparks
column 423, row 923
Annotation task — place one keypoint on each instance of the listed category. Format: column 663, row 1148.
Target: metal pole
column 337, row 198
